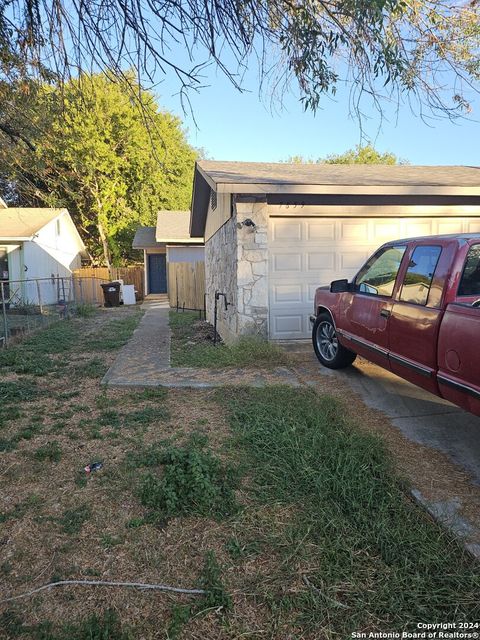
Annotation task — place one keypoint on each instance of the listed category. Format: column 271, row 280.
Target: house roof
column 23, row 223
column 320, row 180
column 145, row 238
column 262, row 173
column 173, row 227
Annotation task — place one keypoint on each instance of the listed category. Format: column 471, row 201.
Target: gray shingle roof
column 331, row 174
column 145, row 238
column 174, row 226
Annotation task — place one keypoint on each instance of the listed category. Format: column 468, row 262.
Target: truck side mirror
column 339, row 286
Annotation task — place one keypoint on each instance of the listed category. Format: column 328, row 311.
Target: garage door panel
column 320, row 260
column 319, row 230
column 473, row 226
column 287, row 293
column 287, row 262
column 289, row 323
column 421, row 228
column 384, row 231
column 351, row 259
column 356, row 231
column 449, row 226
column 309, row 252
column 287, row 230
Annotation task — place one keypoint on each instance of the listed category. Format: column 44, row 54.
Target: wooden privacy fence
column 88, row 281
column 186, row 284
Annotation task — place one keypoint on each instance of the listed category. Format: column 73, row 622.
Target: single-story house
column 275, row 232
column 38, row 244
column 168, row 242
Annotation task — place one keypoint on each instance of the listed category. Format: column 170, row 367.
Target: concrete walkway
column 145, row 361
column 148, row 350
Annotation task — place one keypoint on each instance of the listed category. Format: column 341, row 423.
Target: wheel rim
column 327, row 342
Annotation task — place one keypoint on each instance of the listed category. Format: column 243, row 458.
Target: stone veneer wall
column 221, row 275
column 252, row 270
column 236, row 263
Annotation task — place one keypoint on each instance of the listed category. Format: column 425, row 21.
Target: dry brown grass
column 36, row 549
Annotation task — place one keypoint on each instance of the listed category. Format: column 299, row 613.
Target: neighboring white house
column 168, row 242
column 38, row 244
column 275, row 232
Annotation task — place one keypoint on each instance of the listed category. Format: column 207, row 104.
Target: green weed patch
column 49, row 452
column 94, row 368
column 369, row 557
column 18, row 391
column 73, row 520
column 186, row 481
column 33, row 355
column 114, row 334
column 146, row 416
column 188, row 351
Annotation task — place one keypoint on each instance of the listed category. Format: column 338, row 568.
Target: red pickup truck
column 414, row 309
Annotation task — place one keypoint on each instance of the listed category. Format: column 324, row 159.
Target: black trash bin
column 111, row 294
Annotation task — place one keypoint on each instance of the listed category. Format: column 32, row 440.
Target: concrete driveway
column 421, row 418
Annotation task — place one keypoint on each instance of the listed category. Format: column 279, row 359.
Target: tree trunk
column 106, row 249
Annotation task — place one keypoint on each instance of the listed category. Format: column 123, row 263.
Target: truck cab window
column 470, row 282
column 419, row 276
column 378, row 275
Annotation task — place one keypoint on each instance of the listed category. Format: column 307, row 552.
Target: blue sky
column 242, row 126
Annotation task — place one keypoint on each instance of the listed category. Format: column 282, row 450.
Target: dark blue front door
column 157, row 273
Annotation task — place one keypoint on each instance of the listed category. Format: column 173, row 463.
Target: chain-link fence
column 28, row 305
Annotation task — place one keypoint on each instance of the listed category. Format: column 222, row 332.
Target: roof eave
column 196, row 240
column 323, row 189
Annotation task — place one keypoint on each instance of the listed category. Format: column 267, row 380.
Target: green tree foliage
column 363, row 155
column 359, row 155
column 90, row 148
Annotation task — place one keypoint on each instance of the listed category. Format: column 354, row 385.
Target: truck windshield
column 470, row 282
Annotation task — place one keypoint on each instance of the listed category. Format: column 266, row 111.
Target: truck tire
column 327, row 348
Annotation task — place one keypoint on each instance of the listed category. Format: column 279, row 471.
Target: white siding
column 55, row 251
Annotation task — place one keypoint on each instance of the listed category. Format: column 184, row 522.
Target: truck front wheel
column 327, row 348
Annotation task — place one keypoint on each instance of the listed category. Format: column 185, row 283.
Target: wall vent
column 213, row 199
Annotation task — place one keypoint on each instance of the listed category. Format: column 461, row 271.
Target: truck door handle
column 385, row 313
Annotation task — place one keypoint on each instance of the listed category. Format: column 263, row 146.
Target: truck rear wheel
column 327, row 348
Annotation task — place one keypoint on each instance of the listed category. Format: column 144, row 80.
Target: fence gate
column 186, row 284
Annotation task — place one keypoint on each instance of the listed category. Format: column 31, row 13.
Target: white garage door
column 305, row 253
